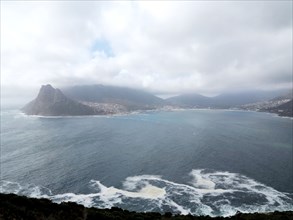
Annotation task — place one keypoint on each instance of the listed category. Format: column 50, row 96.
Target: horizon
column 8, row 101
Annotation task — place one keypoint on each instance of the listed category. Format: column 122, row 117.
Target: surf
column 213, row 193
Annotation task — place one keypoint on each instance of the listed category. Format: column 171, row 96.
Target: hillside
column 52, row 102
column 132, row 99
column 285, row 109
column 90, row 100
column 99, row 99
column 227, row 100
column 281, row 105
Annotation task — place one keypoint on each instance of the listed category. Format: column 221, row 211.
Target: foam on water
column 30, row 190
column 208, row 193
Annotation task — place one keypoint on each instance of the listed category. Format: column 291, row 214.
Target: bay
column 213, row 162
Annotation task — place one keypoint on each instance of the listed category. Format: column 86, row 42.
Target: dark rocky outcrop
column 52, row 102
column 20, row 207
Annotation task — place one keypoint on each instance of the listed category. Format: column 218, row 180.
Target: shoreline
column 144, row 112
column 20, row 207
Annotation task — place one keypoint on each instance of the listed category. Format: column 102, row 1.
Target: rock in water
column 52, row 102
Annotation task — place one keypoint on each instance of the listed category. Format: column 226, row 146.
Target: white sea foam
column 30, row 190
column 208, row 193
column 148, row 191
column 200, row 181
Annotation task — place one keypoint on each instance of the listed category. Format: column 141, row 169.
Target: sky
column 169, row 47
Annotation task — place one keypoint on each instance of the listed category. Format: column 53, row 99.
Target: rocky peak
column 52, row 102
column 48, row 94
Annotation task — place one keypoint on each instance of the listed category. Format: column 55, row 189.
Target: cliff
column 52, row 102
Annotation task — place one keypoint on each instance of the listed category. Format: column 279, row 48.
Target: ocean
column 202, row 162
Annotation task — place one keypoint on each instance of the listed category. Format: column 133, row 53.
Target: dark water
column 199, row 162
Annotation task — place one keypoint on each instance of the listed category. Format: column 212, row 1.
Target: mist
column 164, row 48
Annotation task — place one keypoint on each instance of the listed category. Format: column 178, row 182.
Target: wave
column 212, row 193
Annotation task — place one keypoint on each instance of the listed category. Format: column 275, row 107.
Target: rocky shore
column 19, row 207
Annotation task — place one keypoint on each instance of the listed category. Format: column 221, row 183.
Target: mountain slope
column 52, row 102
column 285, row 109
column 131, row 98
column 227, row 100
column 268, row 105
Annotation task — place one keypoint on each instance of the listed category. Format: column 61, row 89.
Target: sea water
column 202, row 162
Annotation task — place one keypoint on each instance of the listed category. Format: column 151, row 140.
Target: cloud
column 163, row 47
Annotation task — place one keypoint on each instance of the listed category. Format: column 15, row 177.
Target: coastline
column 20, row 207
column 145, row 112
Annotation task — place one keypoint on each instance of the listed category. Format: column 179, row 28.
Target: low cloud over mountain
column 164, row 47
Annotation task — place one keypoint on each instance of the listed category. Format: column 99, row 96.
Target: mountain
column 270, row 105
column 52, row 102
column 240, row 98
column 228, row 100
column 90, row 100
column 284, row 96
column 285, row 109
column 99, row 99
column 131, row 99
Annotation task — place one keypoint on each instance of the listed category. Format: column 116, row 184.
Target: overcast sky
column 163, row 47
